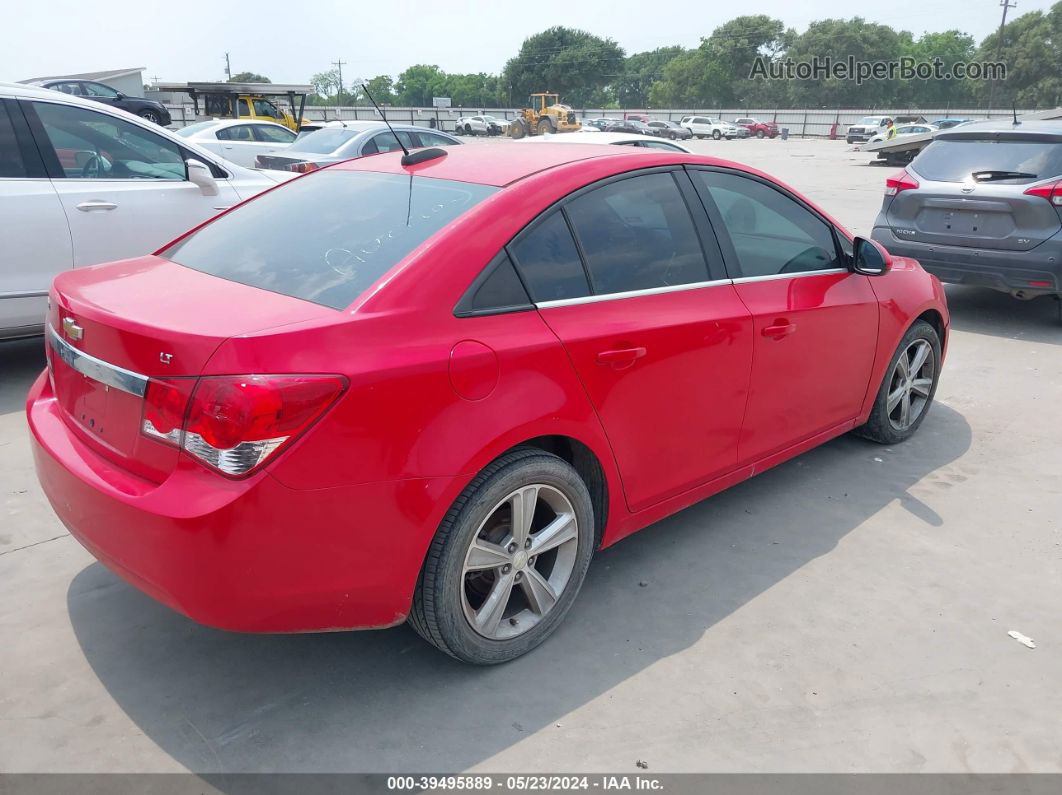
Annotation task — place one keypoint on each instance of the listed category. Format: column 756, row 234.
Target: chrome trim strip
column 25, row 294
column 772, row 276
column 97, row 369
column 592, row 299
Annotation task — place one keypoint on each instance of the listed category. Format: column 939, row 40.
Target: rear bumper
column 250, row 555
column 1037, row 270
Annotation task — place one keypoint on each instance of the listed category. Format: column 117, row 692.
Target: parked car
column 154, row 112
column 947, row 124
column 903, row 130
column 645, row 118
column 670, row 129
column 629, row 126
column 760, row 129
column 866, row 128
column 239, row 142
column 981, row 205
column 914, row 118
column 82, row 183
column 705, row 126
column 382, row 393
column 597, row 124
column 344, row 140
column 480, row 125
column 636, row 140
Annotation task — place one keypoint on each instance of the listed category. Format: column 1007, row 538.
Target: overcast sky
column 289, row 41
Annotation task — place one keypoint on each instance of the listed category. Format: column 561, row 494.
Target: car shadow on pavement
column 20, row 362
column 983, row 311
column 387, row 701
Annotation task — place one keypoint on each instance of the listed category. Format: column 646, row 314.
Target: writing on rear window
column 328, row 237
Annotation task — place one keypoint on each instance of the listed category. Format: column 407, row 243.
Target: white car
column 617, row 139
column 239, row 142
column 865, row 129
column 480, row 125
column 706, row 126
column 83, row 183
column 904, row 130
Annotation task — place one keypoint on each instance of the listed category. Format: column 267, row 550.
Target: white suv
column 83, row 183
column 705, row 126
column 866, row 128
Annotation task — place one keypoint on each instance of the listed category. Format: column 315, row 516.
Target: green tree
column 382, row 88
column 249, row 77
column 950, row 46
column 1032, row 51
column 573, row 63
column 640, row 71
column 419, row 83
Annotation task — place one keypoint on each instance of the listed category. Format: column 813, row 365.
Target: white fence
column 802, row 122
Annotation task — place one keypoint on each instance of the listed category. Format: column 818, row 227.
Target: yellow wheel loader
column 545, row 116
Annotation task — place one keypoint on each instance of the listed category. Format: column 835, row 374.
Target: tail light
column 1052, row 191
column 235, row 423
column 899, row 182
column 303, row 168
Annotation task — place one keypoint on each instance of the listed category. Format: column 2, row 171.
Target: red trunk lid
column 112, row 326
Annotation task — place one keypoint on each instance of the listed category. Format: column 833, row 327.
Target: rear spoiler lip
column 1028, row 136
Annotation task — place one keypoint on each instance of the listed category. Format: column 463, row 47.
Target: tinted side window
column 637, row 234
column 434, row 139
column 11, row 162
column 549, row 261
column 498, row 290
column 238, row 132
column 272, row 134
column 385, row 142
column 93, row 145
column 771, row 233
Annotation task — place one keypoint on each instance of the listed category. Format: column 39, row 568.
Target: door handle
column 619, row 359
column 96, row 204
column 779, row 330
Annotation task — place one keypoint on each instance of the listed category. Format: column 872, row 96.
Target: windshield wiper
column 992, row 176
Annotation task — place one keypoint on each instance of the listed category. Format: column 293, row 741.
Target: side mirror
column 870, row 258
column 120, row 96
column 199, row 174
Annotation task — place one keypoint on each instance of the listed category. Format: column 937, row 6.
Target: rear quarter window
column 327, row 237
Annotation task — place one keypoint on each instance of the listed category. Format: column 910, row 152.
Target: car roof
column 595, row 139
column 999, row 126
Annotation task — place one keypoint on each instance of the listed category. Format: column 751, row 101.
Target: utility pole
column 228, row 68
column 339, row 65
column 1006, row 5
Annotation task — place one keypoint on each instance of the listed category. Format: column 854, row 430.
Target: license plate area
column 975, row 223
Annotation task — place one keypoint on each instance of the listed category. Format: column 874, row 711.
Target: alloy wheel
column 911, row 384
column 519, row 562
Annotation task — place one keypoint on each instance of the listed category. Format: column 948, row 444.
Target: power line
column 1006, row 5
column 339, row 65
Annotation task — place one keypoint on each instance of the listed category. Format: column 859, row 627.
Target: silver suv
column 982, row 205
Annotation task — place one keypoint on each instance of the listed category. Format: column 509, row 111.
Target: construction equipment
column 245, row 100
column 545, row 116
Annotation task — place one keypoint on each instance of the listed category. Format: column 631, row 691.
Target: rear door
column 816, row 323
column 34, row 237
column 634, row 289
column 123, row 187
column 972, row 193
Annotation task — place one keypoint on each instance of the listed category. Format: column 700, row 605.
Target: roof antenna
column 407, row 159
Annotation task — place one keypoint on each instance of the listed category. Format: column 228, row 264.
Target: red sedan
column 429, row 392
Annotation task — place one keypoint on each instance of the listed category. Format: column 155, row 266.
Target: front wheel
column 907, row 391
column 508, row 560
column 716, row 134
column 760, row 133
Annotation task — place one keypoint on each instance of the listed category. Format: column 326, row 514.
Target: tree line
column 590, row 71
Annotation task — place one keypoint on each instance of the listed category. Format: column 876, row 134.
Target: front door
column 816, row 323
column 123, row 187
column 662, row 346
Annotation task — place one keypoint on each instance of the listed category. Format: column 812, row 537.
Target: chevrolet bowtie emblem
column 72, row 330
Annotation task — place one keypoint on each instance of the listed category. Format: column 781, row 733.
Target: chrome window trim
column 97, row 369
column 772, row 276
column 25, row 294
column 592, row 299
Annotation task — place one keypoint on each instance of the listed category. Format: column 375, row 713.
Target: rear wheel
column 508, row 560
column 908, row 388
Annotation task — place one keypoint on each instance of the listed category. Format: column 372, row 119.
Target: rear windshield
column 323, row 142
column 958, row 160
column 327, row 237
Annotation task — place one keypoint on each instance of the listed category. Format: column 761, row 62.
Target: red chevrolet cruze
column 429, row 392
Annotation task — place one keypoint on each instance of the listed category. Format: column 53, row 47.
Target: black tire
column 545, row 127
column 151, row 116
column 879, row 427
column 517, row 130
column 716, row 134
column 468, row 130
column 438, row 613
column 760, row 134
